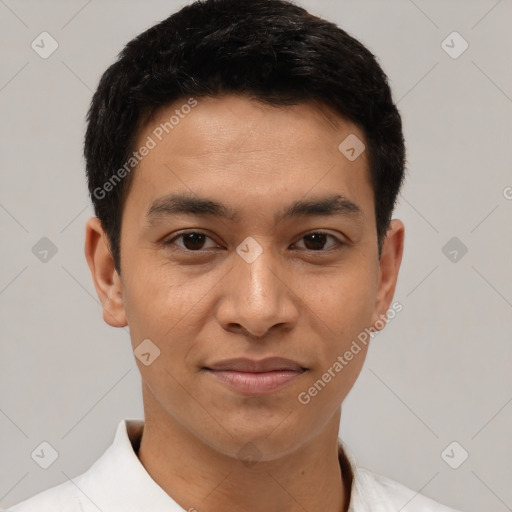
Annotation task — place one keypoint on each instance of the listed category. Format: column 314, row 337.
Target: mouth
column 253, row 378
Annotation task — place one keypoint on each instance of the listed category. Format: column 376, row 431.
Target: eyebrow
column 185, row 204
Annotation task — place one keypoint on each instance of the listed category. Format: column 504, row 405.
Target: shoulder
column 61, row 498
column 374, row 492
column 109, row 478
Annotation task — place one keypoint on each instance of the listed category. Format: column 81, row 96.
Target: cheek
column 342, row 307
column 344, row 300
column 157, row 296
column 169, row 308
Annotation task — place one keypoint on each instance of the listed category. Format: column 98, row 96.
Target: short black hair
column 271, row 50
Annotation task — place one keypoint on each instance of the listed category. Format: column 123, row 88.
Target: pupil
column 193, row 240
column 318, row 241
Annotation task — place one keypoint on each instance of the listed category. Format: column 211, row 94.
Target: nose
column 258, row 296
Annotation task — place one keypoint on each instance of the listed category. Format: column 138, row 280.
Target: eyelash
column 169, row 242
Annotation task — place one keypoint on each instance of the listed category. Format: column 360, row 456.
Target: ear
column 391, row 257
column 105, row 277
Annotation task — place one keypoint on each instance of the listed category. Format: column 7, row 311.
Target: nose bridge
column 255, row 271
column 255, row 297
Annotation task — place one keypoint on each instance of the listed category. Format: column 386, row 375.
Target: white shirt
column 118, row 482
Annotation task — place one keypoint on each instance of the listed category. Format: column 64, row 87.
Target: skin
column 208, row 305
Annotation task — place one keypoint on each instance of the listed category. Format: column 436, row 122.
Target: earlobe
column 389, row 266
column 104, row 275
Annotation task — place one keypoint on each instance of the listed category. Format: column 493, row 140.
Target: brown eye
column 316, row 241
column 191, row 241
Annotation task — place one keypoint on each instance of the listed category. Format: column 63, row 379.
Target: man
column 243, row 159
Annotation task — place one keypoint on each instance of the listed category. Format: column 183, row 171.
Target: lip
column 251, row 377
column 268, row 364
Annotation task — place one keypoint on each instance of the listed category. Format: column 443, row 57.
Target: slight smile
column 250, row 377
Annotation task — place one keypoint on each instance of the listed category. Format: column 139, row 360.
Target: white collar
column 118, row 482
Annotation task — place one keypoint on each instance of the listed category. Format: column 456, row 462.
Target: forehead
column 244, row 150
column 215, row 123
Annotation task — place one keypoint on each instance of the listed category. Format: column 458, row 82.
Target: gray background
column 440, row 372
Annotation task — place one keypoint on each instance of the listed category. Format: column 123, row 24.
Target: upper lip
column 250, row 365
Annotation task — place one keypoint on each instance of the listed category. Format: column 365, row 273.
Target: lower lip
column 256, row 383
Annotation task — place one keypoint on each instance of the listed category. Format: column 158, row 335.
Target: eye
column 196, row 241
column 316, row 241
column 191, row 241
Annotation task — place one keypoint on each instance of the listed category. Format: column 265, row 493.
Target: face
column 247, row 234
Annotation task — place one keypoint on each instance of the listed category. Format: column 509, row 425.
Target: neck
column 199, row 477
